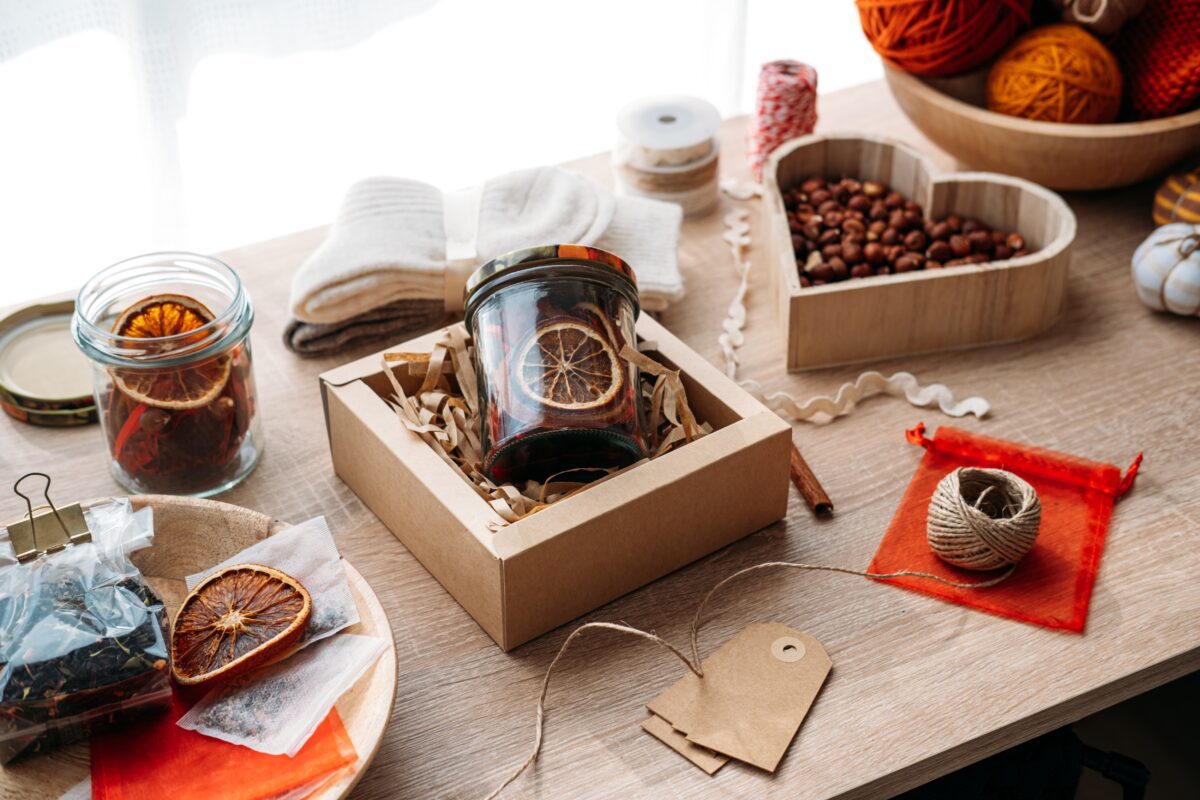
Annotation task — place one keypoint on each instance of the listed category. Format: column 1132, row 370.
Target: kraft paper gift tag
column 756, row 690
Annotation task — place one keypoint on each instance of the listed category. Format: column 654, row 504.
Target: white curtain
column 132, row 125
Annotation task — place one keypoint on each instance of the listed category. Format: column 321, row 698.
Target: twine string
column 694, row 663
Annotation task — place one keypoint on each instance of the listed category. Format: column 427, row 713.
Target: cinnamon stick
column 810, row 488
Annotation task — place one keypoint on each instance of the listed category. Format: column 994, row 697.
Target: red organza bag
column 1052, row 585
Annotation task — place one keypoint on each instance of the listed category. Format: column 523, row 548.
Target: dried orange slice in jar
column 570, row 366
column 238, row 618
column 176, row 388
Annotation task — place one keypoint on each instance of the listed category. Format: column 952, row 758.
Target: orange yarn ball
column 941, row 37
column 1059, row 73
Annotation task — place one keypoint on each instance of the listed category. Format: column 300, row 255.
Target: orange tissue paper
column 160, row 759
column 1052, row 584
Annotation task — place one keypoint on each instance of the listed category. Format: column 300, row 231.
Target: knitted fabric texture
column 1052, row 585
column 1160, row 52
column 1058, row 73
column 941, row 37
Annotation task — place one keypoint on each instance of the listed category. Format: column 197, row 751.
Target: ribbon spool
column 668, row 150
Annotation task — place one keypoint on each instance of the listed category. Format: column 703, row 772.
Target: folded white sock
column 388, row 243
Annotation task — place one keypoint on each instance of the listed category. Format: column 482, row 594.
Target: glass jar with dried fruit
column 168, row 338
column 555, row 394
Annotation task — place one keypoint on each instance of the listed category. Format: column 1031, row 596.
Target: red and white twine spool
column 787, row 108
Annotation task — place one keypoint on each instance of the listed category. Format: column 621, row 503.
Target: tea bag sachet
column 276, row 709
column 756, row 690
column 308, row 553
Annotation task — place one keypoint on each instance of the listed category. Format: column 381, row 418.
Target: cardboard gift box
column 532, row 575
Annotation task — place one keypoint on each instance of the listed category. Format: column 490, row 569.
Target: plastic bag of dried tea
column 81, row 636
column 276, row 709
column 308, row 553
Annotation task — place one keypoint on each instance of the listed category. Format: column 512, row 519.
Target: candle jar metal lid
column 168, row 338
column 555, row 394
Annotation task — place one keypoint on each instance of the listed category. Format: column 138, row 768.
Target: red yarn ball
column 941, row 37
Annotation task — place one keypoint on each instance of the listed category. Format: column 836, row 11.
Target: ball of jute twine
column 983, row 519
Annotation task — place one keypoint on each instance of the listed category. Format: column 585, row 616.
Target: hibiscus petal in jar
column 555, row 394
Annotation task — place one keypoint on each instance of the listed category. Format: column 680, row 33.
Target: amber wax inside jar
column 555, row 394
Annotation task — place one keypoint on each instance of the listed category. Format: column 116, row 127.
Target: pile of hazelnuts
column 844, row 229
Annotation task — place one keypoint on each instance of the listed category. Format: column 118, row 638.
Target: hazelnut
column 828, row 236
column 853, row 225
column 834, row 219
column 831, row 250
column 971, row 225
column 960, row 245
column 1015, row 241
column 894, row 200
column 805, row 281
column 818, row 196
column 852, row 186
column 852, row 253
column 828, row 205
column 840, row 270
column 915, row 240
column 860, row 271
column 940, row 231
column 889, row 236
column 877, row 227
column 955, row 223
column 812, row 184
column 859, row 202
column 897, row 220
column 873, row 253
column 908, row 262
column 981, row 241
column 873, row 189
column 894, row 252
column 821, row 273
column 939, row 251
column 929, row 264
column 1002, row 252
column 878, row 211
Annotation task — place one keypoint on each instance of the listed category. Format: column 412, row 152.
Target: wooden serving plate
column 879, row 317
column 189, row 536
column 951, row 112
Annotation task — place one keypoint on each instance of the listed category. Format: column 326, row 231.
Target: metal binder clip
column 46, row 529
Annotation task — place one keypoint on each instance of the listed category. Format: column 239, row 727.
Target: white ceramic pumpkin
column 1166, row 269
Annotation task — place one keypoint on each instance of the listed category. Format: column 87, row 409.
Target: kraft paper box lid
column 527, row 577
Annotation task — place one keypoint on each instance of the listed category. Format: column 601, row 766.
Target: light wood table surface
column 919, row 687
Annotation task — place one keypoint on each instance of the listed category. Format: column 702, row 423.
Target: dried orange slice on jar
column 177, row 388
column 238, row 618
column 570, row 366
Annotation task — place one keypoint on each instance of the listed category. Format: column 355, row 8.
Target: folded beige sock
column 385, row 263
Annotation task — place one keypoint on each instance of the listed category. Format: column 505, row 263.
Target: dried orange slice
column 569, row 365
column 238, row 618
column 177, row 388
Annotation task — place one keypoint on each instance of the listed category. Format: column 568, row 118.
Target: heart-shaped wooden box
column 928, row 310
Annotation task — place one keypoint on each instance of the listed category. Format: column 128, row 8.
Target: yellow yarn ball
column 1057, row 73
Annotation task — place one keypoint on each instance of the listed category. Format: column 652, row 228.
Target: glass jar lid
column 584, row 261
column 44, row 379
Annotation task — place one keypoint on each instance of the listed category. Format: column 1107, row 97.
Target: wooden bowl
column 189, row 536
column 866, row 319
column 1058, row 155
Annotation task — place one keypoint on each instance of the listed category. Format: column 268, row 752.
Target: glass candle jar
column 167, row 336
column 555, row 395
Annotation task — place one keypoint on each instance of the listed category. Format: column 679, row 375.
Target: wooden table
column 919, row 687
